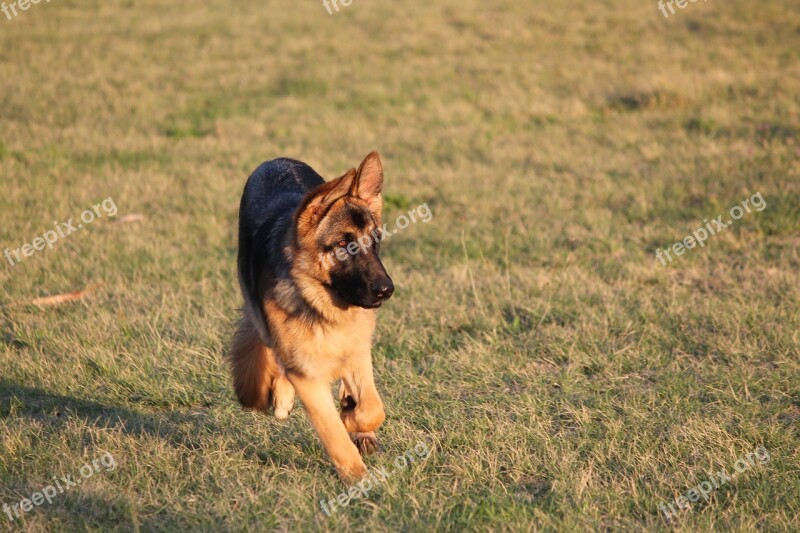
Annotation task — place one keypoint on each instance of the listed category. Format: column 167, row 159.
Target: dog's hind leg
column 258, row 376
column 282, row 395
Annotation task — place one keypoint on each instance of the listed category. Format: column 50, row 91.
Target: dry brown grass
column 565, row 379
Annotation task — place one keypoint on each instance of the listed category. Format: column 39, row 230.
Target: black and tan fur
column 309, row 321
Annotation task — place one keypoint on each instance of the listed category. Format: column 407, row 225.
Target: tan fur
column 316, row 339
column 259, row 379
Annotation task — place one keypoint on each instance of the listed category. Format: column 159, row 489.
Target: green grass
column 564, row 379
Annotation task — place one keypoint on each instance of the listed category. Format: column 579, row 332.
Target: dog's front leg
column 362, row 407
column 316, row 397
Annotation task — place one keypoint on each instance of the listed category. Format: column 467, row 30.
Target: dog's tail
column 250, row 361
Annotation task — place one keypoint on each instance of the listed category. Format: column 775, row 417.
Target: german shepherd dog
column 308, row 321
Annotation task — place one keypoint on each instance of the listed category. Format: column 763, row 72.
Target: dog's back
column 272, row 194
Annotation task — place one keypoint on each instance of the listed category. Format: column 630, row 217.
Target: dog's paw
column 282, row 397
column 352, row 473
column 367, row 443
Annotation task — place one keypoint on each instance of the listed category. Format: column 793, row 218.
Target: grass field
column 561, row 376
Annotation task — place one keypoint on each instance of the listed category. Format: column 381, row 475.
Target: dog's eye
column 342, row 243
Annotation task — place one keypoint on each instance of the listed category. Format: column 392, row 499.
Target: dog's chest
column 324, row 350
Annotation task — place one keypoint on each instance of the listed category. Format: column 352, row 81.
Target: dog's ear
column 316, row 201
column 368, row 183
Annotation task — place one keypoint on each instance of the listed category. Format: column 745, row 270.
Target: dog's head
column 338, row 231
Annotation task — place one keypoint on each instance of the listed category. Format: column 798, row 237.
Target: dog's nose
column 383, row 290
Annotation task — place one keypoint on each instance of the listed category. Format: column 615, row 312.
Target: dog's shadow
column 180, row 429
column 55, row 410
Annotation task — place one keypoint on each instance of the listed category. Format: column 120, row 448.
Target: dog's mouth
column 365, row 305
